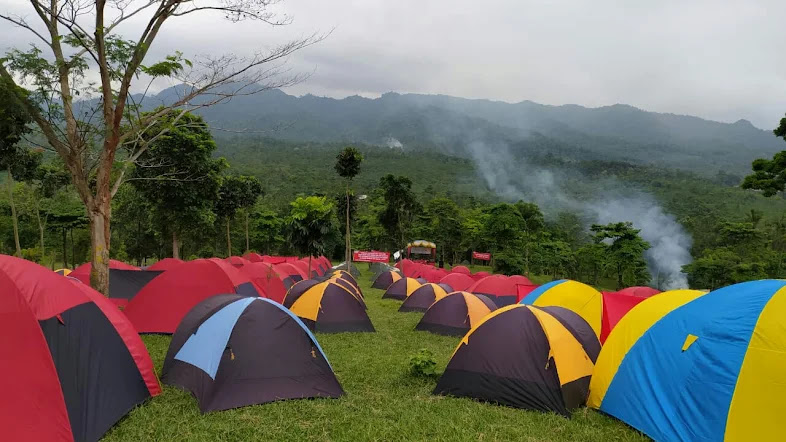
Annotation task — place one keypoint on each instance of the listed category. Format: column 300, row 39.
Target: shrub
column 423, row 364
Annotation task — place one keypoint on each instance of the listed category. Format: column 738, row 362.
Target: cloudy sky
column 720, row 60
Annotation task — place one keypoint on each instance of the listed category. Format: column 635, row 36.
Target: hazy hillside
column 450, row 124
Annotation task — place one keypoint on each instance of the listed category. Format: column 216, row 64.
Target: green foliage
column 348, row 162
column 400, row 208
column 769, row 176
column 237, row 192
column 624, row 252
column 14, row 124
column 443, row 223
column 309, row 225
column 178, row 174
column 422, row 363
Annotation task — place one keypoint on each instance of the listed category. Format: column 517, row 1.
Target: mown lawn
column 382, row 402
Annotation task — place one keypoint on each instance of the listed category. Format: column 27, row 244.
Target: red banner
column 371, row 256
column 481, row 256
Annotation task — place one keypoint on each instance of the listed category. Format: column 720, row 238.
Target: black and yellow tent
column 402, row 288
column 537, row 358
column 384, row 279
column 329, row 307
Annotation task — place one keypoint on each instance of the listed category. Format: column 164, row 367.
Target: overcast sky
column 718, row 59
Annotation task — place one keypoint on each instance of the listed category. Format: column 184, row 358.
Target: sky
column 720, row 60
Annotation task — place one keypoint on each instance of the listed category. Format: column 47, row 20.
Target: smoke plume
column 514, row 179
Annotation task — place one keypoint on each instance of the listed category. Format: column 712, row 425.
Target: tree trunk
column 309, row 266
column 100, row 218
column 40, row 228
column 65, row 249
column 73, row 248
column 348, row 251
column 229, row 241
column 14, row 220
column 248, row 243
column 175, row 246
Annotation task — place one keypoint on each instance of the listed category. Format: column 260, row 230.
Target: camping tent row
column 679, row 365
column 332, row 303
column 77, row 365
column 146, row 295
column 434, row 274
column 501, row 289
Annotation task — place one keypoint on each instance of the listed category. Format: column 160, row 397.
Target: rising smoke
column 514, row 179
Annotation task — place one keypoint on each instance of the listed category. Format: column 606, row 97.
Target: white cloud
column 718, row 60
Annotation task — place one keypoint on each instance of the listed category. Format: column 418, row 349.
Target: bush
column 509, row 263
column 423, row 364
column 32, row 254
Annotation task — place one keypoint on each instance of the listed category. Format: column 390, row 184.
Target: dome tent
column 573, row 295
column 216, row 353
column 161, row 304
column 456, row 314
column 329, row 307
column 401, row 289
column 684, row 365
column 525, row 357
column 422, row 298
column 75, row 365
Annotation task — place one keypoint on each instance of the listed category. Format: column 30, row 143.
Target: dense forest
column 736, row 234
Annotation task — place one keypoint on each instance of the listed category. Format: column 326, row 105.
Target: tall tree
column 178, row 174
column 400, row 207
column 236, row 193
column 444, row 226
column 348, row 166
column 625, row 252
column 17, row 161
column 769, row 176
column 309, row 225
column 86, row 57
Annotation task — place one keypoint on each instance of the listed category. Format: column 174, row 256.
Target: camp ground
column 201, row 351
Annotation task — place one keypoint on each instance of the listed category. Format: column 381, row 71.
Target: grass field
column 383, row 401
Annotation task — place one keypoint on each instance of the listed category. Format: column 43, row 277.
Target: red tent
column 407, row 267
column 238, row 261
column 166, row 264
column 303, row 267
column 618, row 304
column 479, row 275
column 289, row 273
column 459, row 282
column 501, row 289
column 82, row 272
column 435, row 275
column 267, row 279
column 522, row 290
column 161, row 304
column 518, row 279
column 72, row 363
column 254, row 257
column 460, row 269
column 642, row 292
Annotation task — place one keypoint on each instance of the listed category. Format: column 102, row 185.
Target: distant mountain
column 449, row 124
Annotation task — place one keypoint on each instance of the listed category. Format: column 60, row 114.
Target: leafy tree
column 266, row 229
column 400, row 207
column 769, row 176
column 90, row 59
column 133, row 217
column 309, row 225
column 16, row 161
column 556, row 257
column 237, row 193
column 179, row 176
column 714, row 269
column 625, row 253
column 444, row 226
column 348, row 166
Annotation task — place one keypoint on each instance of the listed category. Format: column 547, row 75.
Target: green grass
column 382, row 402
